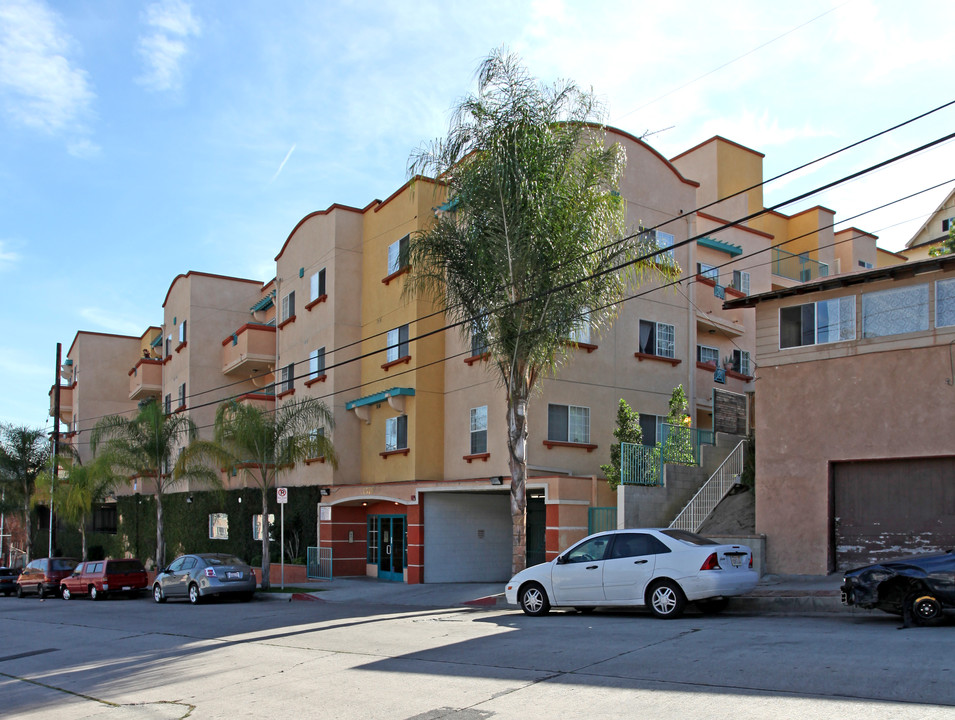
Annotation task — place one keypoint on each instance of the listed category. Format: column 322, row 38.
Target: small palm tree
column 261, row 444
column 81, row 487
column 143, row 446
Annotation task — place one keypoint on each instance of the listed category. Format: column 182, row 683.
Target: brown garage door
column 884, row 509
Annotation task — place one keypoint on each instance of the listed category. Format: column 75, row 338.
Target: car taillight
column 712, row 563
column 210, row 572
column 751, row 561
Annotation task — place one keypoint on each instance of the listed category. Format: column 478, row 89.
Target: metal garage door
column 467, row 537
column 884, row 509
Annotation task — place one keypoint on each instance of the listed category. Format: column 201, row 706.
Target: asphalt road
column 132, row 659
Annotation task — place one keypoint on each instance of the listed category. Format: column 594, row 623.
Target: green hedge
column 187, row 525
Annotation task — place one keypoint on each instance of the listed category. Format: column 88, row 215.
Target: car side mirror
column 561, row 559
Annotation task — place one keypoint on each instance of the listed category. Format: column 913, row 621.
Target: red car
column 43, row 575
column 98, row 578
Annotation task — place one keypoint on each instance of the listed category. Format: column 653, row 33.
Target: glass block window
column 479, row 430
column 945, row 303
column 896, row 311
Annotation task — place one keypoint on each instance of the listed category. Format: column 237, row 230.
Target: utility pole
column 54, row 470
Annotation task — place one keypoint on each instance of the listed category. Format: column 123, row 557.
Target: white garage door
column 467, row 537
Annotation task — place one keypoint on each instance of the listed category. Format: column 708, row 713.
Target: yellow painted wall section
column 739, row 168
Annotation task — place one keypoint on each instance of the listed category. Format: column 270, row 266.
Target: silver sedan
column 202, row 575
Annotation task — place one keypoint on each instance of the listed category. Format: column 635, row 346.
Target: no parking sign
column 281, row 495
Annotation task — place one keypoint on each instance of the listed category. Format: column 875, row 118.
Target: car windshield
column 688, row 537
column 60, row 564
column 224, row 560
column 124, row 566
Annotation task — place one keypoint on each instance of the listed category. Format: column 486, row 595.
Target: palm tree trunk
column 28, row 524
column 266, row 559
column 83, row 537
column 160, row 535
column 517, row 460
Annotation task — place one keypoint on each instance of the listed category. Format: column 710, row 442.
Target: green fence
column 679, row 445
column 600, row 519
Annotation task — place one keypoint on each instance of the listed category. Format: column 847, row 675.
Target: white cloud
column 39, row 85
column 163, row 50
column 8, row 258
column 106, row 320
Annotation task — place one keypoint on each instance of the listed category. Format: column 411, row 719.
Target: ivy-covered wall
column 187, row 526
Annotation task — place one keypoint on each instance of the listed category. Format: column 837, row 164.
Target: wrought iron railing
column 319, row 563
column 678, row 444
column 713, row 491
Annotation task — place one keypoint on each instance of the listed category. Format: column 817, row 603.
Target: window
column 257, row 527
column 288, row 306
column 182, row 332
column 741, row 363
column 945, row 303
column 288, row 379
column 397, row 344
column 372, row 539
column 479, row 344
column 168, row 345
column 317, row 285
column 864, row 264
column 626, row 545
column 947, row 224
column 568, row 423
column 580, row 330
column 708, row 271
column 706, row 354
column 662, row 240
column 167, row 404
column 741, row 281
column 817, row 323
column 651, row 428
column 316, row 363
column 182, row 395
column 396, row 433
column 218, row 526
column 398, row 255
column 891, row 312
column 104, row 519
column 589, row 550
column 479, row 430
column 657, row 339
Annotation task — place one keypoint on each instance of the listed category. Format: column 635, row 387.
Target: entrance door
column 391, row 547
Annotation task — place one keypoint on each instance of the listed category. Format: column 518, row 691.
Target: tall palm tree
column 81, row 487
column 531, row 244
column 261, row 444
column 143, row 446
column 24, row 456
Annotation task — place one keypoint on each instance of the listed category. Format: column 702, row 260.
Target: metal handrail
column 712, row 492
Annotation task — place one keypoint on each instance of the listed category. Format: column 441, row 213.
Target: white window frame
column 392, row 433
column 182, row 395
column 478, row 425
column 182, row 332
column 945, row 296
column 316, row 285
column 664, row 339
column 846, row 331
column 316, row 369
column 745, row 362
column 710, row 272
column 288, row 306
column 218, row 526
column 394, row 255
column 288, row 378
column 896, row 301
column 744, row 281
column 702, row 350
column 577, row 430
column 396, row 344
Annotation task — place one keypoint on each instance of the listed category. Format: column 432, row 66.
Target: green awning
column 728, row 248
column 378, row 397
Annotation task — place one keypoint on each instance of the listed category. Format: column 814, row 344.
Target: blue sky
column 143, row 140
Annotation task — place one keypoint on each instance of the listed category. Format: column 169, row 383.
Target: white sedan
column 658, row 569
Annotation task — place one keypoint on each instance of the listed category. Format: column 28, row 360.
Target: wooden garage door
column 885, row 509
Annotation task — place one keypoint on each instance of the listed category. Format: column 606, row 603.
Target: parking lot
column 130, row 658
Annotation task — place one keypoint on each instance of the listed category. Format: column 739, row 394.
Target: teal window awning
column 728, row 248
column 378, row 397
column 263, row 304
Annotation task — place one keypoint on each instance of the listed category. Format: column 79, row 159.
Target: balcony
column 263, row 399
column 249, row 351
column 800, row 268
column 145, row 379
column 66, row 403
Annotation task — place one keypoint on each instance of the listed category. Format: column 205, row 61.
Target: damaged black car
column 919, row 588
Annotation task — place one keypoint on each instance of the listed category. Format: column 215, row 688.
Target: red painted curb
column 489, row 600
column 306, row 596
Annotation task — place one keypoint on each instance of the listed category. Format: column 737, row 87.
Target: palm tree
column 531, row 244
column 261, row 444
column 24, row 456
column 143, row 446
column 81, row 486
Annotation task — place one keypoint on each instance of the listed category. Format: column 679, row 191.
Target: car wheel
column 925, row 607
column 40, row 592
column 666, row 599
column 157, row 594
column 194, row 596
column 712, row 606
column 19, row 591
column 533, row 600
column 94, row 593
column 65, row 592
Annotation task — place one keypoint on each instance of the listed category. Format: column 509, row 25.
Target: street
column 122, row 658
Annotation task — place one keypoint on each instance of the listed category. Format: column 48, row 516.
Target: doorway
column 391, row 547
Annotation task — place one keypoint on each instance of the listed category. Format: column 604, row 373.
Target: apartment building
column 421, row 490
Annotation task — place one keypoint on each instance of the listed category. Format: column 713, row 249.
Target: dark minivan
column 43, row 576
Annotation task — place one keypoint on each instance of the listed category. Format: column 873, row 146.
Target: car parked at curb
column 922, row 586
column 202, row 575
column 99, row 578
column 8, row 580
column 43, row 575
column 661, row 569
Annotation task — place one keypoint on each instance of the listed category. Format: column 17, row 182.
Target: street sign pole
column 281, row 497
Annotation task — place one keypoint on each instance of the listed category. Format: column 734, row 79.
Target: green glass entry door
column 391, row 547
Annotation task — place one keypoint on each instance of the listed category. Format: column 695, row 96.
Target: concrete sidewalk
column 775, row 594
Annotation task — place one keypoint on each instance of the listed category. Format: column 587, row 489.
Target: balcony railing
column 145, row 379
column 249, row 351
column 797, row 267
column 643, row 464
